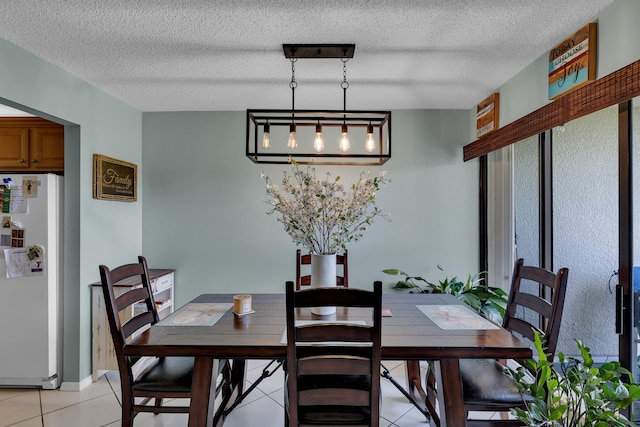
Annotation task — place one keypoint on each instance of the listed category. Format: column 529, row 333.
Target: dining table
column 415, row 327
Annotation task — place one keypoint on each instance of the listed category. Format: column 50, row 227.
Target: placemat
column 196, row 314
column 456, row 317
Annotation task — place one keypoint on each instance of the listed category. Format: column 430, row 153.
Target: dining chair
column 305, row 280
column 535, row 303
column 301, row 280
column 146, row 378
column 332, row 375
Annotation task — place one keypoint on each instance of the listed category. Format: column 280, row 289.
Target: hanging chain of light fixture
column 318, row 140
column 344, row 132
column 377, row 145
column 292, row 143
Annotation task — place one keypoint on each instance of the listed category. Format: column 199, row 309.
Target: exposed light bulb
column 344, row 140
column 292, row 143
column 266, row 137
column 318, row 143
column 370, row 143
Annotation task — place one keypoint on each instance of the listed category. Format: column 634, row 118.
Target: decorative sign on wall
column 572, row 63
column 487, row 115
column 114, row 179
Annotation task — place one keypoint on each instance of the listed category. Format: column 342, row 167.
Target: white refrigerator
column 31, row 271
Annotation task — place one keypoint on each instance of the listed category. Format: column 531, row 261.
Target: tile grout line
column 113, row 390
column 62, row 408
column 41, row 409
column 116, row 396
column 31, row 418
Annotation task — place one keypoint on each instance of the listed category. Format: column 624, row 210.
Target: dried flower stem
column 318, row 213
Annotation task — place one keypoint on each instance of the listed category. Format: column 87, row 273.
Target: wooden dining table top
column 406, row 334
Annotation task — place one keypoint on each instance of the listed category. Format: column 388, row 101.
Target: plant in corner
column 489, row 301
column 575, row 394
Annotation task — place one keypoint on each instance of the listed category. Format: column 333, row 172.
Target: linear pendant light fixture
column 319, row 137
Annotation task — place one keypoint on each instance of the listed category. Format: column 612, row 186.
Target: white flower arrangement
column 319, row 214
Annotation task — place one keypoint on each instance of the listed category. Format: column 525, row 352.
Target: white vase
column 323, row 274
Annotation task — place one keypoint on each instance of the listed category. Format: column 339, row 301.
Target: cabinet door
column 47, row 149
column 14, row 148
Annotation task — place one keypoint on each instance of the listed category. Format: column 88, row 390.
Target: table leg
column 422, row 394
column 203, row 392
column 239, row 375
column 414, row 387
column 450, row 395
column 414, row 382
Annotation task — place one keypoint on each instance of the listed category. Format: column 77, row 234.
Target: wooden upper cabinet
column 14, row 148
column 46, row 147
column 31, row 145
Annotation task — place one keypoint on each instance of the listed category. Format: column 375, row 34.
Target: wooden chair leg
column 127, row 414
column 157, row 404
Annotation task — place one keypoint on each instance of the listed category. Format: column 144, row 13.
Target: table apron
column 280, row 353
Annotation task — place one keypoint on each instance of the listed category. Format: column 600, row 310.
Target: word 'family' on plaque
column 114, row 179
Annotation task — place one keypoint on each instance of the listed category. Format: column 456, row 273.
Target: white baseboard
column 76, row 386
column 45, row 383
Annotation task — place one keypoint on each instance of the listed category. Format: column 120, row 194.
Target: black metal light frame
column 306, row 121
column 380, row 121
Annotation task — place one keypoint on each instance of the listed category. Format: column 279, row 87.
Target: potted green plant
column 574, row 392
column 489, row 301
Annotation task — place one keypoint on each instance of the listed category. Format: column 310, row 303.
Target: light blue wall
column 96, row 232
column 204, row 213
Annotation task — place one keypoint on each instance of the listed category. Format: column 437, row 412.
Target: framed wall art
column 114, row 179
column 572, row 63
column 487, row 114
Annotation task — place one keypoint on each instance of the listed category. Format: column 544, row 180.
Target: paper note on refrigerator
column 21, row 262
column 30, row 186
column 13, row 200
column 17, row 203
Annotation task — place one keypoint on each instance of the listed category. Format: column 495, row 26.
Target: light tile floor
column 99, row 405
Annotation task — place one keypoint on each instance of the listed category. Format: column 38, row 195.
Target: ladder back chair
column 301, row 280
column 333, row 374
column 536, row 302
column 305, row 280
column 146, row 377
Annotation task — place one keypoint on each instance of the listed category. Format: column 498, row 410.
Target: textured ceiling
column 188, row 55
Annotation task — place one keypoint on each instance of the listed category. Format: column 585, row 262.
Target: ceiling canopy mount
column 322, row 51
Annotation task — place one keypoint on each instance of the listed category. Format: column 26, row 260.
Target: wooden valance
column 612, row 89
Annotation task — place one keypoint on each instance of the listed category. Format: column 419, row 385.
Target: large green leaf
column 576, row 393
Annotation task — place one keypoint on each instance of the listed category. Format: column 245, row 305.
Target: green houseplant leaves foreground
column 573, row 393
column 489, row 301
